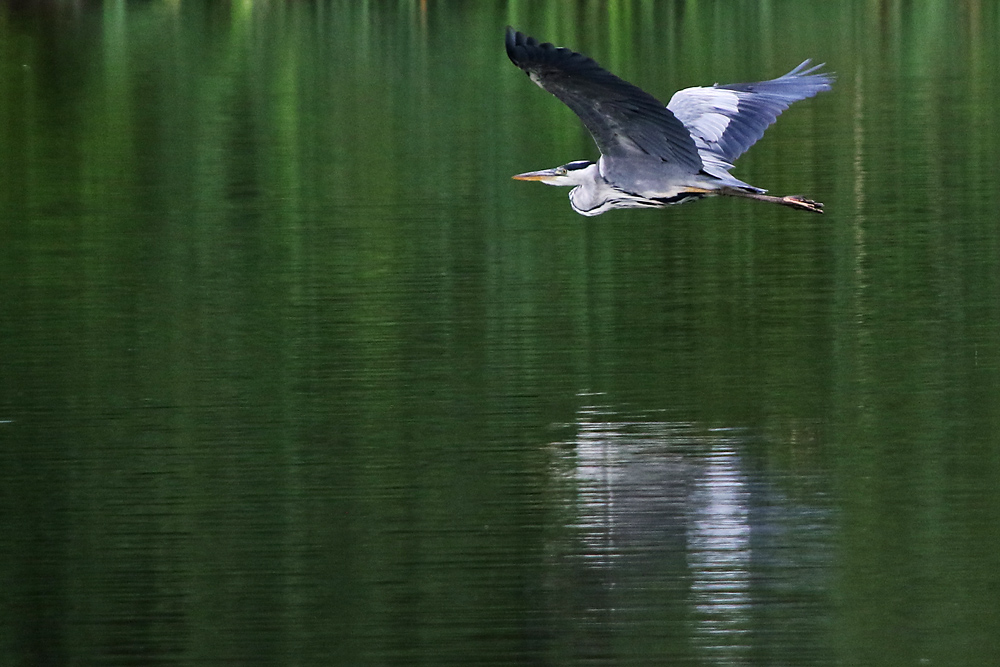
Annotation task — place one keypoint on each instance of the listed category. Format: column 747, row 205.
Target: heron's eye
column 562, row 171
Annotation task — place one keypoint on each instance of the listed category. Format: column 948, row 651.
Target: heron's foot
column 802, row 203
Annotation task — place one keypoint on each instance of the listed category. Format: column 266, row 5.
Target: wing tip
column 526, row 52
column 824, row 79
column 510, row 42
column 520, row 46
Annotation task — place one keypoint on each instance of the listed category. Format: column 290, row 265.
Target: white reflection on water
column 688, row 537
column 719, row 550
column 630, row 477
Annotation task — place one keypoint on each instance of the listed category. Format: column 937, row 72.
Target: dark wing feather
column 623, row 119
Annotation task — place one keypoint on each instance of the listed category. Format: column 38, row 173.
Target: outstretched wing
column 727, row 120
column 623, row 119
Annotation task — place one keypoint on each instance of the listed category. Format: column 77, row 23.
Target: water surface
column 293, row 373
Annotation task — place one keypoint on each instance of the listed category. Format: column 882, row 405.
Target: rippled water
column 293, row 373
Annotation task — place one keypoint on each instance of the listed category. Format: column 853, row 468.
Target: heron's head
column 573, row 173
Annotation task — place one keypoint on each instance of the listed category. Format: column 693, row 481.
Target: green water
column 293, row 373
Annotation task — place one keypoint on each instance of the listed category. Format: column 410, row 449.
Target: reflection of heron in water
column 653, row 155
column 660, row 485
column 671, row 516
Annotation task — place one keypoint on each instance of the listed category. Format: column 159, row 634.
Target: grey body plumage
column 654, row 155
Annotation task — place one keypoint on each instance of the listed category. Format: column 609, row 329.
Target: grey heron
column 654, row 155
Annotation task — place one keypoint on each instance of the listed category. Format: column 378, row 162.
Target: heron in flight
column 653, row 155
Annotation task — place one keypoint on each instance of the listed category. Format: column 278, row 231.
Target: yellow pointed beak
column 536, row 175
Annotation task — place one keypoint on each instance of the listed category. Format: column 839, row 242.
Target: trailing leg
column 792, row 201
